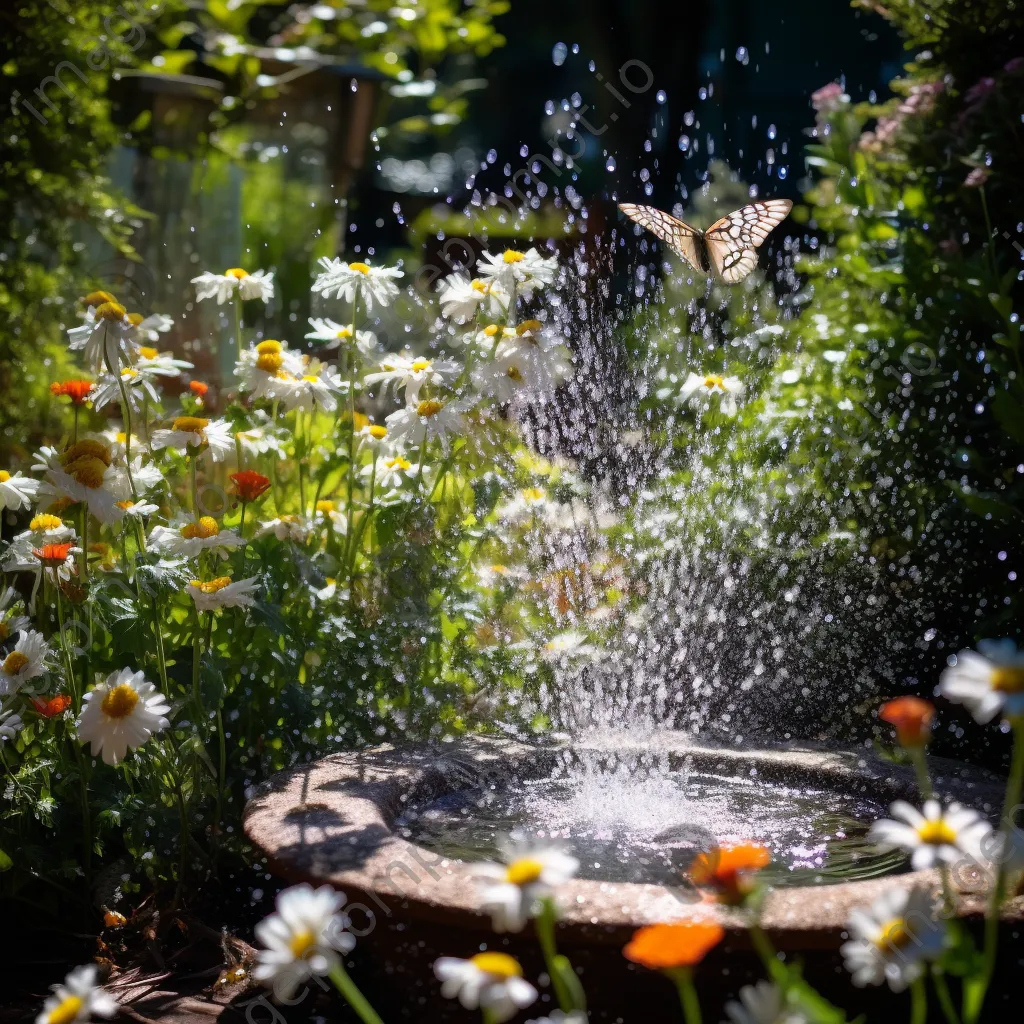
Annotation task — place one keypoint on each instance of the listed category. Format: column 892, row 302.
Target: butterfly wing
column 676, row 233
column 732, row 241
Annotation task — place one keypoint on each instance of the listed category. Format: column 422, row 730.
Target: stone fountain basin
column 332, row 821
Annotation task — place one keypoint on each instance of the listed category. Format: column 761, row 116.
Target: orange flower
column 52, row 555
column 198, row 388
column 728, row 870
column 665, row 947
column 912, row 718
column 52, row 707
column 77, row 390
column 249, row 484
column 112, row 919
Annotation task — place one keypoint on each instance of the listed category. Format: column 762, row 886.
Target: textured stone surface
column 330, row 821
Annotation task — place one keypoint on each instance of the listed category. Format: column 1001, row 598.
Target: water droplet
column 558, row 54
column 684, row 142
column 783, row 171
column 772, row 131
column 609, row 164
column 661, row 96
column 742, row 55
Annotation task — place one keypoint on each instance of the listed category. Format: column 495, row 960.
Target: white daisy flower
column 522, row 373
column 316, row 388
column 512, row 892
column 43, row 529
column 190, row 434
column 522, row 272
column 191, row 538
column 330, row 590
column 27, row 661
column 891, row 940
column 700, row 389
column 77, row 1000
column 328, row 511
column 139, row 509
column 104, row 337
column 138, row 388
column 263, row 437
column 334, row 335
column 147, row 330
column 303, row 938
column 222, row 287
column 392, row 470
column 567, row 645
column 11, row 607
column 287, row 527
column 268, row 370
column 374, row 436
column 360, row 281
column 211, row 595
column 763, row 1003
column 461, row 298
column 412, row 372
column 16, row 490
column 85, row 472
column 529, row 504
column 426, row 420
column 120, row 714
column 10, row 725
column 489, row 981
column 934, row 836
column 152, row 362
column 988, row 683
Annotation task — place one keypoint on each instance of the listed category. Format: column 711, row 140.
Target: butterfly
column 729, row 246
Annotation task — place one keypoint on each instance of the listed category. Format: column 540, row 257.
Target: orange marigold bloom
column 249, row 484
column 52, row 555
column 728, row 870
column 77, row 390
column 198, row 388
column 911, row 717
column 52, row 707
column 664, row 947
column 112, row 919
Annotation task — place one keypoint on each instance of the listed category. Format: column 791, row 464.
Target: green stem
column 126, row 413
column 945, row 999
column 300, row 452
column 975, row 998
column 683, row 977
column 918, row 1002
column 238, row 324
column 161, row 657
column 347, row 987
column 545, row 926
column 222, row 760
column 194, row 482
column 920, row 762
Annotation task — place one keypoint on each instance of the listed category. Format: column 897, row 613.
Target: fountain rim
column 330, row 821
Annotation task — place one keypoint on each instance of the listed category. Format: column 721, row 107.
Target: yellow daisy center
column 1008, row 680
column 501, row 965
column 15, row 662
column 88, row 471
column 148, row 353
column 269, row 362
column 44, row 521
column 302, row 944
column 135, row 319
column 88, row 448
column 120, row 701
column 429, row 408
column 480, row 286
column 398, row 463
column 211, row 586
column 190, row 424
column 491, row 330
column 893, row 934
column 66, row 1011
column 378, row 432
column 236, row 272
column 534, row 494
column 110, row 311
column 528, row 326
column 310, row 378
column 359, row 268
column 419, row 365
column 206, row 527
column 128, row 373
column 326, row 506
column 713, row 380
column 936, row 833
column 343, row 332
column 4, row 476
column 270, row 345
column 98, row 298
column 513, row 256
column 126, row 505
column 524, row 871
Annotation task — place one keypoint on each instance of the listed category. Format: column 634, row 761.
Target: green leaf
column 5, row 861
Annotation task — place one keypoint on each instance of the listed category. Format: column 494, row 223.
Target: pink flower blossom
column 976, row 178
column 829, row 98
